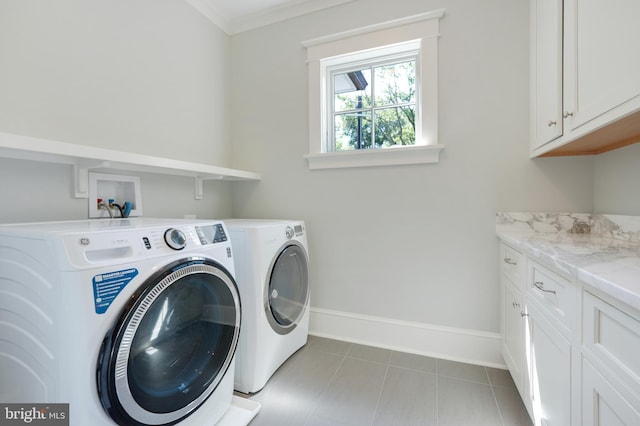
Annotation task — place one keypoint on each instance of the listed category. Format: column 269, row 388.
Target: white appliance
column 271, row 263
column 130, row 321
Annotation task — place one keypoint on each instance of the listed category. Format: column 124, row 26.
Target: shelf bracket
column 199, row 190
column 80, row 181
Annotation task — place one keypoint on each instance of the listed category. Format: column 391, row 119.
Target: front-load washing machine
column 130, row 322
column 271, row 263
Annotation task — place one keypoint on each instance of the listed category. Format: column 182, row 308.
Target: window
column 373, row 105
column 373, row 95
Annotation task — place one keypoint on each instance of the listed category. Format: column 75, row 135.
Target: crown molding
column 290, row 9
column 209, row 11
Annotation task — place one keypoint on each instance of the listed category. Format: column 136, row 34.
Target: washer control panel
column 97, row 242
column 206, row 234
column 211, row 234
column 181, row 238
column 175, row 238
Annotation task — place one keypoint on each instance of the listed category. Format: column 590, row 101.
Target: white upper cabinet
column 547, row 102
column 585, row 86
column 602, row 60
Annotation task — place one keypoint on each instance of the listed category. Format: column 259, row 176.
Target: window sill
column 424, row 154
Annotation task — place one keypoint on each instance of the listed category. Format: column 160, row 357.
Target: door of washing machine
column 172, row 344
column 287, row 290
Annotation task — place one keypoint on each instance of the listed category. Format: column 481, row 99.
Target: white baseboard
column 469, row 346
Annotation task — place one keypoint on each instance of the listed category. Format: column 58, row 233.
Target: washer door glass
column 288, row 289
column 170, row 350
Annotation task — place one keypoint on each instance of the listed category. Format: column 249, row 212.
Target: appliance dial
column 175, row 238
column 289, row 232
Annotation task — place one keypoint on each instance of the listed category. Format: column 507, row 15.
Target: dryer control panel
column 296, row 231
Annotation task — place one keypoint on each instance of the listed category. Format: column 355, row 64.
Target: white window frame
column 420, row 31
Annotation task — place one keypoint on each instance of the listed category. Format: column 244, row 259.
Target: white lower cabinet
column 548, row 358
column 512, row 330
column 610, row 363
column 603, row 403
column 512, row 311
column 574, row 354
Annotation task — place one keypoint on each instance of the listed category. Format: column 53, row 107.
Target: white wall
column 143, row 76
column 617, row 179
column 411, row 243
column 36, row 191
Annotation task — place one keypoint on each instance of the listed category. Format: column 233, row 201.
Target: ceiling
column 235, row 16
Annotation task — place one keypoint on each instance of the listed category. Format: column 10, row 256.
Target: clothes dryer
column 129, row 321
column 271, row 263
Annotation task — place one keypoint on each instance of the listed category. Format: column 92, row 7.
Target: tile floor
column 331, row 383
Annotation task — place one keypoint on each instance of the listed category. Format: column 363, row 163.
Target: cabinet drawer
column 613, row 337
column 512, row 264
column 556, row 294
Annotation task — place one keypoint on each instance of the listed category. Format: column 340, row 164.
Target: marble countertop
column 601, row 261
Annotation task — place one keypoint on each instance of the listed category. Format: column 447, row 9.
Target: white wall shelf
column 84, row 158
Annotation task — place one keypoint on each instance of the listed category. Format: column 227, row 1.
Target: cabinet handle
column 551, row 123
column 540, row 286
column 567, row 114
column 508, row 261
column 515, row 304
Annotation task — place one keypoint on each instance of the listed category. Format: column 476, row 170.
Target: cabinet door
column 547, row 84
column 602, row 403
column 512, row 330
column 602, row 64
column 611, row 334
column 549, row 370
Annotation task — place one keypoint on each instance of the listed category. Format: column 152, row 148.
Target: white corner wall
column 405, row 244
column 617, row 174
column 143, row 76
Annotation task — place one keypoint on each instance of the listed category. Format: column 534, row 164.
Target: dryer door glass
column 174, row 345
column 288, row 289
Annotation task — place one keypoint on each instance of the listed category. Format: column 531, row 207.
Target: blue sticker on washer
column 106, row 287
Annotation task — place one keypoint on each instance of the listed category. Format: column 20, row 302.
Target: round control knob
column 289, row 232
column 175, row 238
